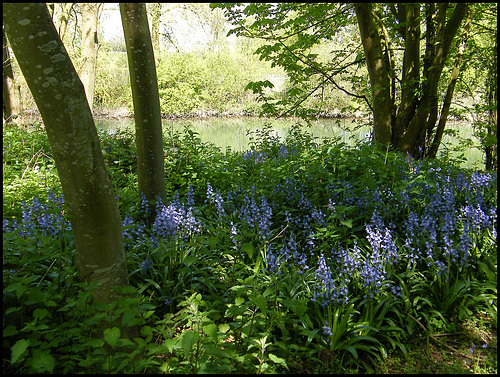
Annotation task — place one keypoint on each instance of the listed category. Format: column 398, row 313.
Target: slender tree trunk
column 60, row 17
column 492, row 127
column 12, row 106
column 89, row 49
column 410, row 17
column 60, row 98
column 439, row 37
column 378, row 72
column 449, row 91
column 148, row 129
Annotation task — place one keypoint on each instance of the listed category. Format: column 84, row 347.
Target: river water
column 233, row 132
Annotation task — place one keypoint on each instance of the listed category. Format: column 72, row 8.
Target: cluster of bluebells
column 40, row 218
column 438, row 219
column 175, row 220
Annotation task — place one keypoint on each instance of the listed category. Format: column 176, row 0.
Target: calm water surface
column 233, row 132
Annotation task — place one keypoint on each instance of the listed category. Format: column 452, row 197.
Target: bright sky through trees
column 188, row 34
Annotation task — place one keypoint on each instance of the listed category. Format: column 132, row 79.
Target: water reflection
column 233, row 132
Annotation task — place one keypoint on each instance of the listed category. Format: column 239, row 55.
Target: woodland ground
column 299, row 255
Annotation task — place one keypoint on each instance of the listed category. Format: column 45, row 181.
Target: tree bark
column 12, row 106
column 89, row 49
column 410, row 17
column 378, row 72
column 60, row 98
column 439, row 37
column 144, row 83
column 60, row 17
column 449, row 91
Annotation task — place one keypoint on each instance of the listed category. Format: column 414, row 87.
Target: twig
column 46, row 272
column 434, row 338
column 447, row 334
column 29, row 163
column 279, row 234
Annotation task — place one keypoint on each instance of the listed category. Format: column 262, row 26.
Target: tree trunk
column 60, row 17
column 60, row 98
column 449, row 91
column 379, row 73
column 89, row 49
column 12, row 107
column 439, row 37
column 491, row 148
column 410, row 17
column 150, row 159
column 410, row 129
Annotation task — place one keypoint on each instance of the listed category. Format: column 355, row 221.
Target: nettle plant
column 310, row 248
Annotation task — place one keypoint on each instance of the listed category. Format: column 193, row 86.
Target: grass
column 295, row 256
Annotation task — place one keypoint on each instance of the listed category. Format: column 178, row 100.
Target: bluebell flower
column 144, row 205
column 264, row 218
column 190, row 196
column 329, row 290
column 146, row 264
column 232, row 236
column 218, row 201
column 175, row 220
column 327, row 331
column 210, row 193
column 272, row 261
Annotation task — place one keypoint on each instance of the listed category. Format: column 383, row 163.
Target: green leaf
column 94, row 343
column 41, row 313
column 111, row 336
column 171, row 344
column 18, row 349
column 148, row 331
column 347, row 223
column 488, row 272
column 211, row 330
column 10, row 330
column 277, row 360
column 42, row 361
column 261, row 303
column 247, row 248
column 189, row 338
column 35, row 296
column 239, row 301
column 223, row 328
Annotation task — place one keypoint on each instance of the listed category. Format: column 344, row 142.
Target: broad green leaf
column 171, row 344
column 261, row 303
column 18, row 349
column 277, row 360
column 41, row 313
column 239, row 301
column 223, row 328
column 347, row 223
column 211, row 330
column 10, row 330
column 111, row 336
column 247, row 248
column 189, row 338
column 42, row 361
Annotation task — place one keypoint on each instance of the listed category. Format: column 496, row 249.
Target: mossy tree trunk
column 410, row 128
column 144, row 83
column 90, row 46
column 12, row 106
column 60, row 98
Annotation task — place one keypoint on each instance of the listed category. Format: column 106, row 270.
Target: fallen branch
column 435, row 339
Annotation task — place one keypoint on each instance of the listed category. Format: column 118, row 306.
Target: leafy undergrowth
column 295, row 256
